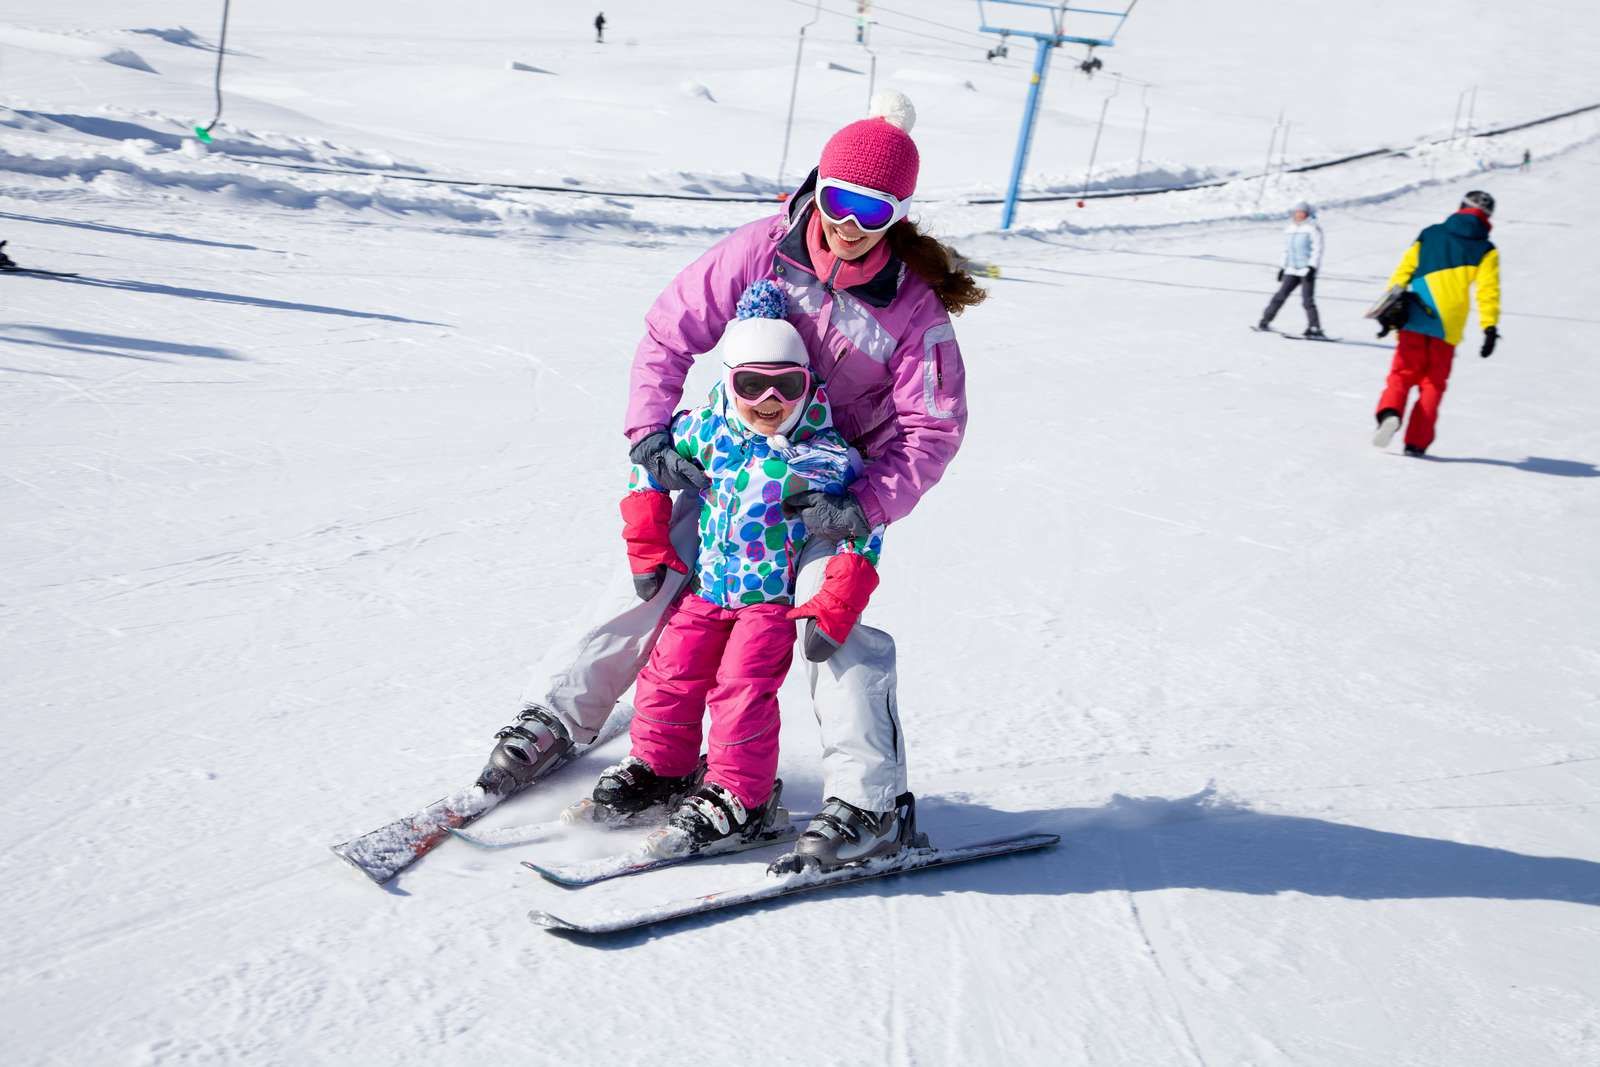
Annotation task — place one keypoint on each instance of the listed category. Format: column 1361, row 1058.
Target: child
column 765, row 436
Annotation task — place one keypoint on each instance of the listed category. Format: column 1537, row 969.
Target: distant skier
column 1302, row 258
column 1527, row 159
column 765, row 436
column 1437, row 273
column 600, row 28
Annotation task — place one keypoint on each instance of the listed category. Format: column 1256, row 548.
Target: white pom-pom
column 893, row 107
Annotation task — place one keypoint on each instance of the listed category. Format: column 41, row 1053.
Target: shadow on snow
column 1139, row 844
column 107, row 344
column 124, row 231
column 1561, row 468
column 213, row 296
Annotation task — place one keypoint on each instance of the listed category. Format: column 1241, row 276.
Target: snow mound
column 56, row 44
column 181, row 36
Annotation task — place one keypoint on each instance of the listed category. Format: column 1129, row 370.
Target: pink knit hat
column 877, row 151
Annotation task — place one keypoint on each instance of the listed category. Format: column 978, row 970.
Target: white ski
column 658, row 850
column 578, row 815
column 774, row 886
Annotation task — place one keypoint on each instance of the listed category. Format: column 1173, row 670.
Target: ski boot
column 527, row 749
column 1314, row 333
column 1413, row 450
column 630, row 788
column 5, row 260
column 1388, row 423
column 711, row 815
column 842, row 834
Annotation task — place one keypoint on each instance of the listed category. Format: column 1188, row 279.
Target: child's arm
column 850, row 576
column 647, row 514
column 685, row 428
column 847, row 584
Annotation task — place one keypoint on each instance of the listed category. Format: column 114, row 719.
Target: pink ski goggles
column 754, row 382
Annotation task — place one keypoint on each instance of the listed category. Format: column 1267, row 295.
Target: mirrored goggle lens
column 871, row 212
column 753, row 384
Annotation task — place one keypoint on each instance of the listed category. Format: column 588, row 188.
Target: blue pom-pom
column 763, row 300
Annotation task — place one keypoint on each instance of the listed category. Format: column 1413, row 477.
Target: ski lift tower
column 1055, row 16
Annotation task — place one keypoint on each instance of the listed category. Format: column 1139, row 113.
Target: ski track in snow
column 307, row 469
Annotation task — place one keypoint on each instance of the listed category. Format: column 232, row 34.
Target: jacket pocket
column 943, row 376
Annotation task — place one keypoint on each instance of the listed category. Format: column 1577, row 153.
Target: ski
column 775, row 886
column 390, row 849
column 1303, row 337
column 510, row 836
column 650, row 856
column 39, row 273
column 579, row 815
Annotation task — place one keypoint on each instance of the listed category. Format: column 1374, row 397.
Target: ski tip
column 555, row 877
column 1026, row 841
column 553, row 922
column 376, row 877
column 461, row 833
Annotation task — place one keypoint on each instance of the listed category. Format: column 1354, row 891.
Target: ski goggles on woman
column 754, row 382
column 872, row 211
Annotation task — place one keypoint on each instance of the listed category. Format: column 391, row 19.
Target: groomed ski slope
column 296, row 485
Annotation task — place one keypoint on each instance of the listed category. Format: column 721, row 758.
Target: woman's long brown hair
column 937, row 264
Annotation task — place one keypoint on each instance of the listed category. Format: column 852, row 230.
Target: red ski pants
column 731, row 661
column 1424, row 362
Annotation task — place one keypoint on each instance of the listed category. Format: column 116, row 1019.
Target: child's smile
column 765, row 417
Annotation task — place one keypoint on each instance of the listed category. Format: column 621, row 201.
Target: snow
column 311, row 463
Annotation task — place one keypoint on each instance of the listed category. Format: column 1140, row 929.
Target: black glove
column 1280, row 274
column 662, row 462
column 1491, row 337
column 832, row 518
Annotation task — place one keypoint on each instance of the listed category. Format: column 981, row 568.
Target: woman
column 872, row 298
column 1302, row 258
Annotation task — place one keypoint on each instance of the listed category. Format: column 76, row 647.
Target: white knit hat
column 762, row 341
column 761, row 334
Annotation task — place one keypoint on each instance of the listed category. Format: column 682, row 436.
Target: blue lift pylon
column 1044, row 42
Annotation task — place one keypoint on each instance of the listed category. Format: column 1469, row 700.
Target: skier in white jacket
column 1302, row 258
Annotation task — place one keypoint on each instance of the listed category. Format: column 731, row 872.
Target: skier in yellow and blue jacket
column 1438, row 272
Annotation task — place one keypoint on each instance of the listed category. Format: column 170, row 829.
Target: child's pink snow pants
column 732, row 662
